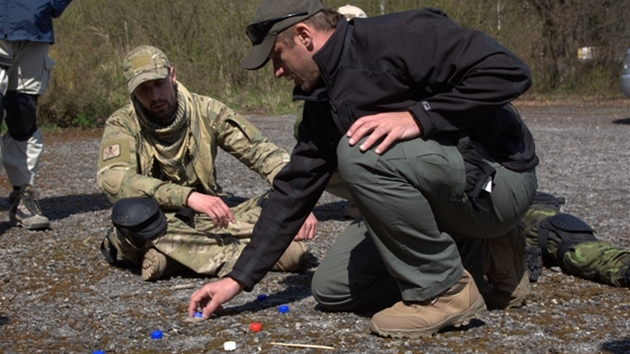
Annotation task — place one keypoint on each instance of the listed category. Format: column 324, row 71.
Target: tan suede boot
column 25, row 211
column 294, row 259
column 156, row 265
column 506, row 269
column 454, row 307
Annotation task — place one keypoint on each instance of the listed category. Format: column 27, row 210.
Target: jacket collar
column 328, row 59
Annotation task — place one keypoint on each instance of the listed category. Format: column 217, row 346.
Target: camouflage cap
column 351, row 12
column 145, row 63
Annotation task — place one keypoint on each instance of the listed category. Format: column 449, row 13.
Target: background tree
column 206, row 41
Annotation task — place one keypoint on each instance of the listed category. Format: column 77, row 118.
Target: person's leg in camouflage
column 593, row 260
column 198, row 245
column 599, row 261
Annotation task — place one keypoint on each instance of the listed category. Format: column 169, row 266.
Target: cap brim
column 258, row 56
column 156, row 74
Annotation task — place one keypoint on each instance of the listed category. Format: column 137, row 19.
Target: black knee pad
column 139, row 217
column 21, row 114
column 569, row 229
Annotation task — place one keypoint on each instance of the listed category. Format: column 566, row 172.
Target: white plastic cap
column 351, row 12
column 229, row 345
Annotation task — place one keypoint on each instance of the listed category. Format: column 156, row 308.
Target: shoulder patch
column 111, row 152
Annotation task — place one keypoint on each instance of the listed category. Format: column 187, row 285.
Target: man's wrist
column 190, row 193
column 240, row 285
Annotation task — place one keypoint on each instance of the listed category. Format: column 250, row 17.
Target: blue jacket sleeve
column 59, row 6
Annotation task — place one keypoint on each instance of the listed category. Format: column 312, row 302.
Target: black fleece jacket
column 454, row 81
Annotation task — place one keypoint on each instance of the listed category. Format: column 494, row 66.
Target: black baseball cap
column 272, row 17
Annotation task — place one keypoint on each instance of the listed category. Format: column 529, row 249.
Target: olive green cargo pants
column 414, row 210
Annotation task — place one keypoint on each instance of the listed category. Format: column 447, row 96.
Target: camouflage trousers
column 197, row 243
column 595, row 260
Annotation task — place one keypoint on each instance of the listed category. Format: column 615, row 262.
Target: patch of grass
column 206, row 42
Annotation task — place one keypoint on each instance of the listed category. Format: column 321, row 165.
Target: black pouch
column 478, row 173
column 187, row 216
column 568, row 229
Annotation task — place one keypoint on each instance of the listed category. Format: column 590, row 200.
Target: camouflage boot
column 25, row 211
column 506, row 270
column 294, row 259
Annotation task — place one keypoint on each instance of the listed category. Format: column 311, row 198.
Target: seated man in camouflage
column 156, row 163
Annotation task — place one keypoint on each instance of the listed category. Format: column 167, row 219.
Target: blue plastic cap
column 261, row 297
column 98, row 352
column 198, row 314
column 283, row 308
column 157, row 334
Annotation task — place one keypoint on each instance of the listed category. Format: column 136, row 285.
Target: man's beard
column 170, row 116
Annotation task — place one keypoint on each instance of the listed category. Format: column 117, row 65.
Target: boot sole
column 457, row 320
column 36, row 226
column 151, row 266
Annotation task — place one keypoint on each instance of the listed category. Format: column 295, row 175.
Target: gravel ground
column 58, row 295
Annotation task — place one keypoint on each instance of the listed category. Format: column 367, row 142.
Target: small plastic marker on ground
column 198, row 314
column 229, row 345
column 98, row 352
column 283, row 308
column 157, row 334
column 255, row 327
column 261, row 297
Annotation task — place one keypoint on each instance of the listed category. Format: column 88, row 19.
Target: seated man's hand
column 214, row 207
column 212, row 295
column 308, row 230
column 391, row 127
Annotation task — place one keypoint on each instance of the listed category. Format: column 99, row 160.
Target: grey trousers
column 414, row 212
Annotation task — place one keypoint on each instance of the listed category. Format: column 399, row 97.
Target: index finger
column 196, row 301
column 212, row 306
column 358, row 130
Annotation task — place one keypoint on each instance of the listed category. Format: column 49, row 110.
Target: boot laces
column 425, row 303
column 27, row 198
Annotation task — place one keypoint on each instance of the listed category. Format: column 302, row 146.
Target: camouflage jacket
column 127, row 168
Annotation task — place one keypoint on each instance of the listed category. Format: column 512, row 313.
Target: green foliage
column 206, row 41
